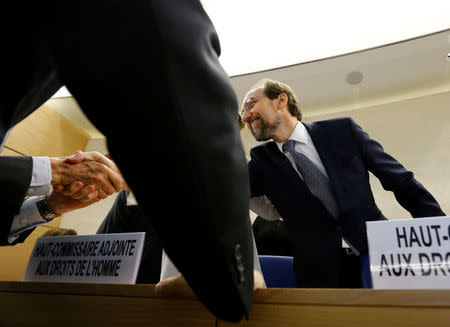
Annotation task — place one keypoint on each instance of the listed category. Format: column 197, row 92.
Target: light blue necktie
column 318, row 183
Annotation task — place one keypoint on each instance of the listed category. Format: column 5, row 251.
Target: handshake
column 83, row 179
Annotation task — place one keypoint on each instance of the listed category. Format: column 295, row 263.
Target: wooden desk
column 57, row 304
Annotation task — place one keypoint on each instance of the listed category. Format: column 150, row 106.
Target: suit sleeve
column 409, row 193
column 15, row 178
column 166, row 53
column 256, row 186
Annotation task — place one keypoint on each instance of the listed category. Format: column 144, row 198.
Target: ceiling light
column 354, row 77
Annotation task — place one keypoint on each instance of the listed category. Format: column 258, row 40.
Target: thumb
column 78, row 157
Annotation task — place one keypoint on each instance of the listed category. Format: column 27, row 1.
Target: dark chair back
column 278, row 271
column 366, row 278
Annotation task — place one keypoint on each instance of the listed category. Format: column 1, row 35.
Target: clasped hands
column 82, row 179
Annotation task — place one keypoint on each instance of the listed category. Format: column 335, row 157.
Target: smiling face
column 260, row 114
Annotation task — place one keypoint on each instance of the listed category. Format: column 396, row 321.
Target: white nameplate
column 100, row 258
column 410, row 253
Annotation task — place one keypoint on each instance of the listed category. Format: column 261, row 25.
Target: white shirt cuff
column 41, row 177
column 131, row 200
column 27, row 218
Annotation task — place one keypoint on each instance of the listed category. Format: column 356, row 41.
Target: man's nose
column 246, row 115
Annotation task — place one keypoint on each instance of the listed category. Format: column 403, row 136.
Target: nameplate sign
column 410, row 253
column 101, row 258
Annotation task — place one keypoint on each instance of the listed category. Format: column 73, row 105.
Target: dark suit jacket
column 15, row 177
column 348, row 154
column 272, row 237
column 129, row 219
column 147, row 75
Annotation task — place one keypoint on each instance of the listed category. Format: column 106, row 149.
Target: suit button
column 338, row 228
column 237, row 252
column 239, row 263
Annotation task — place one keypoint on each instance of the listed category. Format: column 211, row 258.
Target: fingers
column 61, row 204
column 174, row 286
column 258, row 280
column 104, row 160
column 165, row 287
column 71, row 189
column 108, row 182
column 76, row 191
column 102, row 194
column 77, row 157
column 58, row 187
column 83, row 192
column 75, row 176
column 98, row 157
column 116, row 181
column 93, row 196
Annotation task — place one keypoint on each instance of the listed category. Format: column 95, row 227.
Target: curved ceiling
column 383, row 74
column 295, row 37
column 258, row 35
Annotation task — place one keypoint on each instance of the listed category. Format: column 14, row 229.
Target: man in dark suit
column 129, row 218
column 146, row 73
column 316, row 176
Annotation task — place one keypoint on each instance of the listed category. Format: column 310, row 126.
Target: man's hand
column 89, row 168
column 81, row 156
column 258, row 280
column 178, row 286
column 60, row 203
column 172, row 286
column 106, row 159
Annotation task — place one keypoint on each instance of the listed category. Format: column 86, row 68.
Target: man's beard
column 265, row 131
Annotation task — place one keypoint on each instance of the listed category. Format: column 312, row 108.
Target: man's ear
column 282, row 100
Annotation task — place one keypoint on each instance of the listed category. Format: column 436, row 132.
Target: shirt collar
column 299, row 134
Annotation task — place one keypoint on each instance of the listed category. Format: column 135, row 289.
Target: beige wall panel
column 46, row 133
column 8, row 152
column 15, row 258
column 43, row 133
